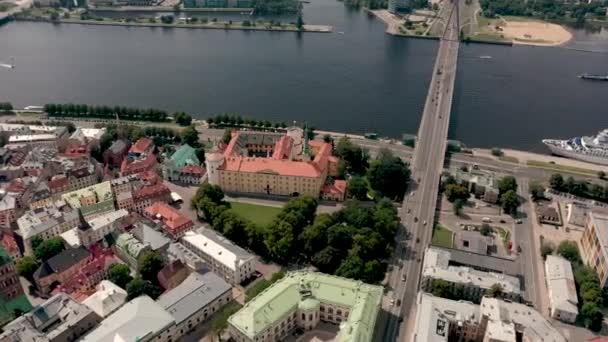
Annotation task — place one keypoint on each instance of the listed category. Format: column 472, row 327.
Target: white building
column 576, row 215
column 221, row 256
column 45, row 223
column 108, row 298
column 438, row 319
column 474, row 283
column 562, row 289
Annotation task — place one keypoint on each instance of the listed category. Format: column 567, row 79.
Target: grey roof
column 141, row 319
column 62, row 261
column 8, row 202
column 31, row 222
column 193, row 295
column 147, row 235
column 177, row 251
column 482, row 262
column 119, row 146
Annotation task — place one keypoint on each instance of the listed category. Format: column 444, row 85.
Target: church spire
column 82, row 222
column 306, row 148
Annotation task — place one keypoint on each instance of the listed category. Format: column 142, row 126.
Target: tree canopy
column 139, row 287
column 454, row 192
column 26, row 267
column 120, row 274
column 149, row 265
column 353, row 159
column 389, row 175
column 182, row 119
column 189, row 136
column 357, row 188
column 507, row 183
column 509, row 201
column 49, row 248
column 569, row 250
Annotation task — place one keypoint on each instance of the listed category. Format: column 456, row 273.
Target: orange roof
column 9, row 243
column 141, row 146
column 171, row 218
column 282, row 148
column 339, row 187
column 272, row 166
column 151, row 191
column 137, row 165
column 194, row 169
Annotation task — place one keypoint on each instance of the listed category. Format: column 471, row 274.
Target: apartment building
column 562, row 289
column 594, row 244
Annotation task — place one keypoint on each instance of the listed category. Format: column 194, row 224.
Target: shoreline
column 168, row 9
column 209, row 25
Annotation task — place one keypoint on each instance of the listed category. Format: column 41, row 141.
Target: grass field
column 563, row 168
column 509, row 159
column 6, row 308
column 258, row 214
column 442, row 236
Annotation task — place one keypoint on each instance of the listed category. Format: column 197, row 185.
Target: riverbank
column 169, row 9
column 218, row 25
column 415, row 25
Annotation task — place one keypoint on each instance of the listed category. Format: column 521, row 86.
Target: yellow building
column 276, row 164
column 594, row 243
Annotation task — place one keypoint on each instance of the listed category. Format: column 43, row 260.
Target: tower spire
column 306, row 148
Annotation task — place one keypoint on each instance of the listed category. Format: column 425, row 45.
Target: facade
column 8, row 211
column 274, row 164
column 114, row 155
column 141, row 320
column 81, row 178
column 172, row 274
column 131, row 167
column 562, row 289
column 10, row 287
column 97, row 228
column 220, row 255
column 195, row 300
column 59, row 319
column 304, row 299
column 61, row 267
column 182, row 165
column 45, row 223
column 173, row 222
column 594, row 244
column 148, row 195
column 93, row 201
column 494, row 320
column 86, row 278
column 108, row 298
column 474, row 284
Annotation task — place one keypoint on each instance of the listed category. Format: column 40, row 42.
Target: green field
column 258, row 214
column 7, row 308
column 562, row 168
column 442, row 236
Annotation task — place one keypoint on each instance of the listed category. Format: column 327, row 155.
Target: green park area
column 562, row 168
column 9, row 309
column 259, row 214
column 442, row 236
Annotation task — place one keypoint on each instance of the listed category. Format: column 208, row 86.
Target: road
column 418, row 210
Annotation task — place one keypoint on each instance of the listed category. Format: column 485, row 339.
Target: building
column 147, row 235
column 9, row 243
column 129, row 249
column 177, row 251
column 474, row 284
column 172, row 274
column 274, row 164
column 576, row 215
column 221, row 256
column 473, row 241
column 8, row 211
column 173, row 222
column 482, row 185
column 142, row 147
column 594, row 245
column 44, row 140
column 97, row 228
column 59, row 319
column 10, row 287
column 45, row 223
column 141, row 320
column 182, row 166
column 108, row 298
column 61, row 267
column 93, row 201
column 131, row 167
column 303, row 300
column 562, row 289
column 86, row 278
column 114, row 155
column 494, row 320
column 548, row 215
column 145, row 196
column 195, row 300
column 82, row 177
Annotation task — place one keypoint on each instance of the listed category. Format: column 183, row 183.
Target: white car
column 424, row 223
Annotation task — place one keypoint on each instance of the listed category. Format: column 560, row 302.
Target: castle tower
column 213, row 162
column 306, row 147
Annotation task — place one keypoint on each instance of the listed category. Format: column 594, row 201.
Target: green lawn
column 505, row 236
column 6, row 308
column 442, row 236
column 563, row 168
column 258, row 214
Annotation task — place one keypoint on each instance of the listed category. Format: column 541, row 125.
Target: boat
column 594, row 77
column 592, row 149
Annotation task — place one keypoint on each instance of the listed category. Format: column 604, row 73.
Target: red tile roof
column 16, row 186
column 149, row 177
column 9, row 243
column 339, row 187
column 100, row 262
column 58, row 183
column 151, row 191
column 193, row 169
column 141, row 146
column 171, row 218
column 137, row 166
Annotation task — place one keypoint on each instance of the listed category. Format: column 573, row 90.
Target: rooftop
column 560, row 280
column 102, row 221
column 600, row 221
column 101, row 191
column 170, row 217
column 107, row 299
column 283, row 297
column 185, row 155
column 141, row 146
column 31, row 137
column 193, row 294
column 62, row 261
column 149, row 236
column 40, row 220
column 218, row 247
column 118, row 147
column 435, row 314
column 139, row 318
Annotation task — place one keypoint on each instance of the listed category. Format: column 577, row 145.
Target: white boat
column 590, row 149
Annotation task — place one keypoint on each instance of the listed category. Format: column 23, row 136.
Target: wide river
column 357, row 79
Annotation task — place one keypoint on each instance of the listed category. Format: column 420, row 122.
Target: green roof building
column 92, row 201
column 302, row 300
column 183, row 161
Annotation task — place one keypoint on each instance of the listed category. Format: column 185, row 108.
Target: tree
column 569, row 250
column 509, row 201
column 485, row 229
column 556, row 182
column 190, row 136
column 507, row 183
column 456, row 191
column 546, row 248
column 300, row 23
column 457, row 206
column 54, row 16
column 353, row 158
column 351, row 267
column 357, row 188
column 495, row 290
column 497, row 152
column 120, row 274
column 182, row 119
column 389, row 177
column 214, row 193
column 328, row 138
column 149, row 265
column 49, row 248
column 441, row 288
column 537, row 191
column 601, row 174
column 314, row 237
column 227, row 135
column 26, row 267
column 139, row 287
column 36, row 241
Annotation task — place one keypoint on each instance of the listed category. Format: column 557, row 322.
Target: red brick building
column 173, row 222
column 10, row 287
column 137, row 166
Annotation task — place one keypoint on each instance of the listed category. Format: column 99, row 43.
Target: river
column 357, row 79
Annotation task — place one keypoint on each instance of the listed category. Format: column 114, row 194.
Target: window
column 303, row 316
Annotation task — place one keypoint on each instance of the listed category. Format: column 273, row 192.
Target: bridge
column 418, row 209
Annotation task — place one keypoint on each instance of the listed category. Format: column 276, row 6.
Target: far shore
column 167, row 9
